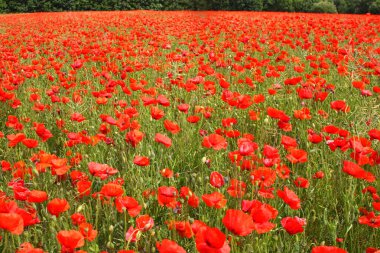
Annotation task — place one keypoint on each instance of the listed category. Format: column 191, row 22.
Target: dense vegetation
column 174, row 132
column 328, row 6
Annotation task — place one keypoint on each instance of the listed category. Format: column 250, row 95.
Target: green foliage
column 279, row 5
column 324, row 7
column 303, row 5
column 341, row 6
column 331, row 6
column 3, row 6
column 375, row 7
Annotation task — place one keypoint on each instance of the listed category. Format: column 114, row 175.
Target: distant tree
column 375, row 7
column 3, row 6
column 253, row 5
column 219, row 4
column 246, row 5
column 303, row 5
column 279, row 5
column 363, row 6
column 17, row 6
column 200, row 5
column 324, row 7
column 341, row 6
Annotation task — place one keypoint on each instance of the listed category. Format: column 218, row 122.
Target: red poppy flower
column 77, row 117
column 29, row 216
column 288, row 142
column 293, row 225
column 77, row 218
column 36, row 196
column 171, row 126
column 297, row 156
column 166, row 141
column 327, row 249
column 144, row 222
column 12, row 222
column 162, row 100
column 340, row 105
column 301, row 182
column 374, row 134
column 216, row 179
column 215, row 199
column 356, row 171
column 30, row 143
column 42, row 132
column 264, row 176
column 131, row 234
column 141, row 161
column 134, row 137
column 314, row 138
column 193, row 119
column 290, row 198
column 372, row 250
column 253, row 115
column 370, row 219
column 246, row 147
column 277, row 114
column 87, row 231
column 156, row 113
column 14, row 139
column 77, row 64
column 102, row 171
column 84, row 188
column 111, row 190
column 211, row 240
column 192, row 199
column 128, row 203
column 167, row 173
column 70, row 239
column 261, row 215
column 238, row 222
column 59, row 166
column 237, row 188
column 168, row 246
column 285, row 126
column 183, row 107
column 319, row 175
column 57, row 206
column 27, row 247
column 214, row 141
column 183, row 228
column 167, row 196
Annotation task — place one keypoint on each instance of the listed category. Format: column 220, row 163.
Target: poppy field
column 174, row 132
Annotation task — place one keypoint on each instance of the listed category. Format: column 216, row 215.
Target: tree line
column 326, row 6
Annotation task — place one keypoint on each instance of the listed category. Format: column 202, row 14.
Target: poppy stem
column 125, row 224
column 6, row 246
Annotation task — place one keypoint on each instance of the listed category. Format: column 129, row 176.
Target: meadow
column 172, row 132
